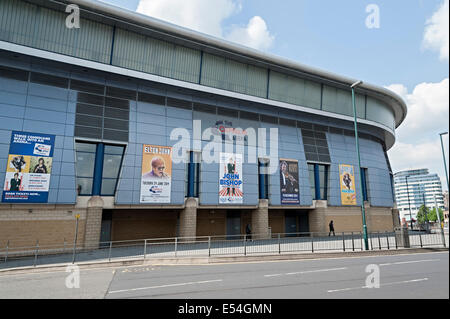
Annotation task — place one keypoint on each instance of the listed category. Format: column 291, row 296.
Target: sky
column 402, row 45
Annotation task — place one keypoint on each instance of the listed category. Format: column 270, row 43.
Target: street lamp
column 366, row 241
column 443, row 156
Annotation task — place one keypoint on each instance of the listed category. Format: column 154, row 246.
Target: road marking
column 165, row 286
column 387, row 284
column 409, row 262
column 305, row 272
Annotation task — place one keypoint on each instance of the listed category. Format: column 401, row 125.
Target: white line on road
column 387, row 284
column 305, row 272
column 409, row 262
column 165, row 286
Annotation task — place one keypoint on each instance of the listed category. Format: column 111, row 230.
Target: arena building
column 92, row 117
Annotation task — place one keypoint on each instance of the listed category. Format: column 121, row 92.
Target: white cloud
column 428, row 109
column 436, row 36
column 207, row 16
column 255, row 34
column 418, row 144
column 200, row 15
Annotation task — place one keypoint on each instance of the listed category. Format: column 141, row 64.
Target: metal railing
column 211, row 246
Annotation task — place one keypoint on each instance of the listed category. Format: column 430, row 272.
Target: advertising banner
column 156, row 176
column 347, row 181
column 28, row 168
column 289, row 188
column 230, row 179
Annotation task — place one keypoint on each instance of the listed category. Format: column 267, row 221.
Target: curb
column 216, row 260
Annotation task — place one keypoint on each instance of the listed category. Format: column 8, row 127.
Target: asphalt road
column 400, row 276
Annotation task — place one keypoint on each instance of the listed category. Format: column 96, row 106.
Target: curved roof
column 390, row 98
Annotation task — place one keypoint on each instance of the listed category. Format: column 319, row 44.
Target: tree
column 432, row 216
column 423, row 215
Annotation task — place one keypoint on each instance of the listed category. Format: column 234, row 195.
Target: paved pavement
column 424, row 275
column 135, row 250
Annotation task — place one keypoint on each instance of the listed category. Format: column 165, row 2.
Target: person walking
column 331, row 226
column 248, row 232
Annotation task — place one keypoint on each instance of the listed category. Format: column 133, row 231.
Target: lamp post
column 443, row 156
column 366, row 242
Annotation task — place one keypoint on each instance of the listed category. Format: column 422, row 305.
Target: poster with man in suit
column 289, row 187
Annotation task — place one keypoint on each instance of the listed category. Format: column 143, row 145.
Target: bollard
column 209, row 246
column 110, row 248
column 343, row 241
column 420, row 239
column 279, row 244
column 379, row 241
column 353, row 243
column 361, row 236
column 312, row 242
column 245, row 245
column 145, row 248
column 176, row 244
column 7, row 248
column 395, row 238
column 387, row 238
column 36, row 253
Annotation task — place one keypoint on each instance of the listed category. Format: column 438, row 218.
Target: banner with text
column 28, row 168
column 230, row 179
column 289, row 188
column 346, row 180
column 156, row 174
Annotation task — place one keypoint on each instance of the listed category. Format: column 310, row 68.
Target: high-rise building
column 414, row 188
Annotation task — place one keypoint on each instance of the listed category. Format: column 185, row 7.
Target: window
column 85, row 167
column 263, row 165
column 112, row 161
column 364, row 183
column 318, row 180
column 193, row 174
column 98, row 167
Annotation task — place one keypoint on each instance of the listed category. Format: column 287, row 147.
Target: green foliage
column 433, row 216
column 423, row 214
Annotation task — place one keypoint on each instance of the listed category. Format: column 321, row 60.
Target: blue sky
column 332, row 35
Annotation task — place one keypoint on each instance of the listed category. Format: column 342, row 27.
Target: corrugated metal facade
column 222, row 73
column 289, row 89
column 137, row 52
column 37, row 27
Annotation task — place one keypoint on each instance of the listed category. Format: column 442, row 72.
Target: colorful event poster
column 156, row 176
column 28, row 168
column 347, row 181
column 230, row 179
column 289, row 188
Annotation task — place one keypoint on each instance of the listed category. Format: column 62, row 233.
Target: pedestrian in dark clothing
column 248, row 232
column 331, row 225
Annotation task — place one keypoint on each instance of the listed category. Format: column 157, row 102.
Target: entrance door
column 105, row 231
column 290, row 223
column 233, row 224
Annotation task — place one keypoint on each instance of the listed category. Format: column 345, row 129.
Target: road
column 424, row 275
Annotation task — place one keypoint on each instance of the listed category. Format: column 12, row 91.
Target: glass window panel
column 85, row 164
column 84, row 186
column 111, row 165
column 114, row 149
column 85, row 147
column 108, row 186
